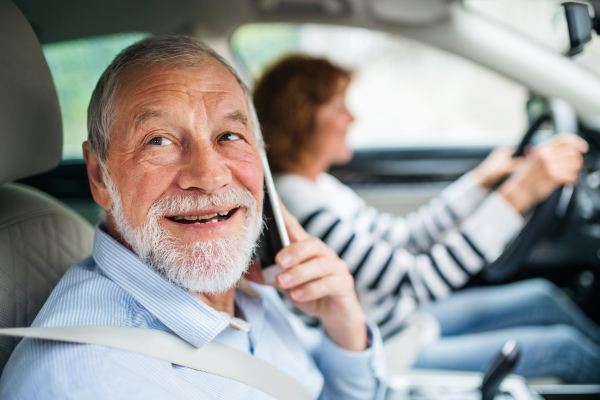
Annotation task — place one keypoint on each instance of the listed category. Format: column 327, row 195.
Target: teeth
column 207, row 221
column 201, row 217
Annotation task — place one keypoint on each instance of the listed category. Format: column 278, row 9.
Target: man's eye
column 160, row 141
column 229, row 137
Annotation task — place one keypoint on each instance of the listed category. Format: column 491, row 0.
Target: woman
column 401, row 265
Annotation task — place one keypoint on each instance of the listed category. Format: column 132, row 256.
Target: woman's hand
column 545, row 168
column 498, row 164
column 318, row 283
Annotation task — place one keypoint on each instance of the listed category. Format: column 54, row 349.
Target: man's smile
column 203, row 218
column 214, row 222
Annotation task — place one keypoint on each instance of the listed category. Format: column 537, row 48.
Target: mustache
column 182, row 203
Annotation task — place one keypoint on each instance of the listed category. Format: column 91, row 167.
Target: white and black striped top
column 398, row 263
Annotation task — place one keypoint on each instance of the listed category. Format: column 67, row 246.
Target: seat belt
column 214, row 358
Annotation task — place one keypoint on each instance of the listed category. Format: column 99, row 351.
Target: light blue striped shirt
column 113, row 287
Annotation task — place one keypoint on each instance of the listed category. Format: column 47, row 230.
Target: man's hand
column 498, row 164
column 545, row 168
column 318, row 283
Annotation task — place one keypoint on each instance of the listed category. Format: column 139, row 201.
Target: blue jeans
column 555, row 337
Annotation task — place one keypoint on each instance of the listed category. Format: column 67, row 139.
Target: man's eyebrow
column 238, row 116
column 145, row 115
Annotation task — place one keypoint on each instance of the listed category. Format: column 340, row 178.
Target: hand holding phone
column 313, row 277
column 274, row 236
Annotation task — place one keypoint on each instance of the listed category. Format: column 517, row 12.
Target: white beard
column 208, row 267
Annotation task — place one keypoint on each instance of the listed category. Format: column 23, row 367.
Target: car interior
column 466, row 76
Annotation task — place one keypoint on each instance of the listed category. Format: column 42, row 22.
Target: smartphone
column 274, row 236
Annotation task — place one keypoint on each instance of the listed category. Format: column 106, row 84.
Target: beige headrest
column 30, row 121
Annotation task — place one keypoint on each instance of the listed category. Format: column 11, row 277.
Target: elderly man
column 173, row 156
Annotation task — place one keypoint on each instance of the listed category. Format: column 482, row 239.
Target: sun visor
column 30, row 121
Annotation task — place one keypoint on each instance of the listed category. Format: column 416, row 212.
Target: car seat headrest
column 30, row 120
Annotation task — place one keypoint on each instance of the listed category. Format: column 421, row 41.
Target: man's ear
column 95, row 176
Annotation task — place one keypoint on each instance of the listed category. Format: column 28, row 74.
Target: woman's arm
column 421, row 229
column 395, row 280
column 424, row 227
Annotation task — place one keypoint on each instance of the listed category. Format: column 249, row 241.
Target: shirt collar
column 245, row 286
column 194, row 321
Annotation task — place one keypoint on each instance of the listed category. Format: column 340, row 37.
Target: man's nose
column 204, row 169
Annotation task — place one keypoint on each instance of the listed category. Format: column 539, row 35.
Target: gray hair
column 170, row 50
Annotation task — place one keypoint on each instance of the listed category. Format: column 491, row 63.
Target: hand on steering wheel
column 539, row 179
column 497, row 165
column 545, row 168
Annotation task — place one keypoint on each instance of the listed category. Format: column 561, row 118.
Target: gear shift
column 502, row 365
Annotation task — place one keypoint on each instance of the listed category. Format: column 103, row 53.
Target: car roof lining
column 60, row 20
column 457, row 31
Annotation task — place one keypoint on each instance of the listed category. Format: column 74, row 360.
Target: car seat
column 39, row 237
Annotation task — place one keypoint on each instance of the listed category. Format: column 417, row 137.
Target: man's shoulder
column 44, row 369
column 48, row 369
column 40, row 368
column 85, row 296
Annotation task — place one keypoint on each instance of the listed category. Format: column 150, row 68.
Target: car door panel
column 400, row 180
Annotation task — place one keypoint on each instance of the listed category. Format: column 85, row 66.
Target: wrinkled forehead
column 207, row 82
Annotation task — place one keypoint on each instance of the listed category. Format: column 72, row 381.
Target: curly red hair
column 287, row 98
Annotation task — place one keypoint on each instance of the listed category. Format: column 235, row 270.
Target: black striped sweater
column 399, row 263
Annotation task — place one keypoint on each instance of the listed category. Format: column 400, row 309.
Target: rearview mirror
column 580, row 25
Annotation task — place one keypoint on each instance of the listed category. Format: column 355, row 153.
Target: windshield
column 403, row 92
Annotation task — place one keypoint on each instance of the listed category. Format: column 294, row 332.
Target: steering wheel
column 545, row 216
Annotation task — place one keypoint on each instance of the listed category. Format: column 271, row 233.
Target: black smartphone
column 274, row 236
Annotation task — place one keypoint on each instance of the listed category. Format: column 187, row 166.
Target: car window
column 403, row 93
column 76, row 66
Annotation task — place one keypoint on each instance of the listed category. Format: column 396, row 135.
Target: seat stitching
column 36, row 214
column 72, row 253
column 25, row 289
column 41, row 259
column 38, row 265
